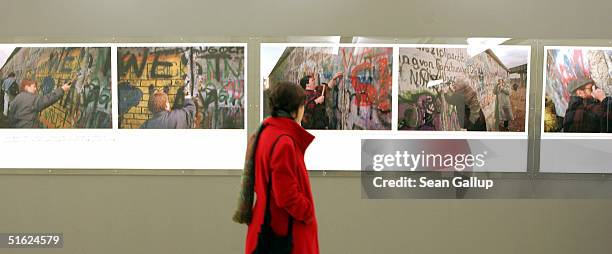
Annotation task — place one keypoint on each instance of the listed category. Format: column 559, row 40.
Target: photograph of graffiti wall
column 353, row 83
column 577, row 90
column 213, row 75
column 86, row 104
column 455, row 89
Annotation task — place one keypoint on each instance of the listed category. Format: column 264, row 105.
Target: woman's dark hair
column 11, row 75
column 286, row 96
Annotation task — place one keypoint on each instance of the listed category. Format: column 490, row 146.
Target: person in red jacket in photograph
column 279, row 153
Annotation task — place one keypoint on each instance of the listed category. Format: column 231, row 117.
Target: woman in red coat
column 280, row 153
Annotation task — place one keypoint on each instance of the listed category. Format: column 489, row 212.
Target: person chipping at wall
column 315, row 112
column 465, row 99
column 589, row 110
column 25, row 108
column 164, row 117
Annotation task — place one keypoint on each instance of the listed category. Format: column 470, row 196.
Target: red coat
column 291, row 194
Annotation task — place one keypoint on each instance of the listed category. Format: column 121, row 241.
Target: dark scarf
column 244, row 212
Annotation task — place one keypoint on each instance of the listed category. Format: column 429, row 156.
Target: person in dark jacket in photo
column 7, row 84
column 164, row 118
column 316, row 107
column 315, row 104
column 606, row 102
column 25, row 108
column 589, row 109
column 465, row 99
column 279, row 157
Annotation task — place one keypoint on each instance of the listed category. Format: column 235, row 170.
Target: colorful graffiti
column 362, row 98
column 567, row 64
column 88, row 102
column 419, row 65
column 217, row 72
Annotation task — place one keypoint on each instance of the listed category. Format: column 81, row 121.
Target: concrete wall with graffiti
column 217, row 72
column 482, row 71
column 567, row 64
column 362, row 99
column 88, row 102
